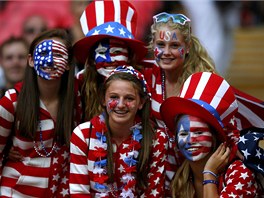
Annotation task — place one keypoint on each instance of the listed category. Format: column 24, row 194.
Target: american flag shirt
column 83, row 157
column 34, row 176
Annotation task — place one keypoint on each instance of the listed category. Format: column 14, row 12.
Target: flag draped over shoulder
column 250, row 110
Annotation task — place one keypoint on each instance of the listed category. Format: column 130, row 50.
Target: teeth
column 192, row 149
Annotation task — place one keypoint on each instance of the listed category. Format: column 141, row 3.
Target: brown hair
column 147, row 130
column 29, row 96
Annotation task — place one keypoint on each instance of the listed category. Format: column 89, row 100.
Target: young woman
column 178, row 54
column 39, row 117
column 202, row 118
column 117, row 153
column 108, row 43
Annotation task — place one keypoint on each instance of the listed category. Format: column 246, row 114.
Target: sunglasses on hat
column 176, row 18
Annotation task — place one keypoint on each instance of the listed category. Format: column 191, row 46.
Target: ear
column 142, row 102
column 30, row 60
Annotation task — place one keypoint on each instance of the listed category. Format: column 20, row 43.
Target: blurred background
column 231, row 31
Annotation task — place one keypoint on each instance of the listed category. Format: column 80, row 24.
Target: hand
column 14, row 155
column 219, row 159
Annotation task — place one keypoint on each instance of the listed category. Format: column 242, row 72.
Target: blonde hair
column 182, row 185
column 197, row 60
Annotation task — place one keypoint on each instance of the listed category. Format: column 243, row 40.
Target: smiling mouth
column 48, row 69
column 192, row 149
column 120, row 112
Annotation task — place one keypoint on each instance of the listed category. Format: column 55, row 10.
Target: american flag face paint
column 109, row 54
column 194, row 138
column 158, row 53
column 50, row 59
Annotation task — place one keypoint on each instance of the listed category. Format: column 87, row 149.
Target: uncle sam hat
column 109, row 19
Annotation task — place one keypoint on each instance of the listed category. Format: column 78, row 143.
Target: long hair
column 182, row 183
column 147, row 130
column 28, row 100
column 197, row 60
column 92, row 83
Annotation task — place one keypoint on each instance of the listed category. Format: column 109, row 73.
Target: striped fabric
column 35, row 176
column 83, row 157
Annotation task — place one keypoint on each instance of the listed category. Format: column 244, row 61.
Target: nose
column 121, row 103
column 166, row 50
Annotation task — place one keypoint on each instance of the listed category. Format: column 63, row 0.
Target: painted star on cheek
column 181, row 51
column 99, row 49
column 158, row 53
column 111, row 104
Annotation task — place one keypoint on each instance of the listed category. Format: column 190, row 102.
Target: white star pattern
column 65, row 155
column 234, row 172
column 55, row 160
column 56, row 177
column 109, row 29
column 161, row 169
column 156, row 181
column 64, row 192
column 157, row 153
column 123, row 156
column 243, row 139
column 122, row 32
column 64, row 180
column 100, row 48
column 232, row 195
column 229, row 181
column 246, row 153
column 244, row 175
column 155, row 143
column 154, row 192
column 53, row 188
column 153, row 164
column 258, row 153
column 121, row 169
column 249, row 184
column 239, row 186
column 96, row 32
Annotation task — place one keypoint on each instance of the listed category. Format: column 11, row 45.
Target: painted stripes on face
column 109, row 54
column 50, row 59
column 194, row 137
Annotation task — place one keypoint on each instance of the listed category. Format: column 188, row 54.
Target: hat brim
column 82, row 47
column 175, row 106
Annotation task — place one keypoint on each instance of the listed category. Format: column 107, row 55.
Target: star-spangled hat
column 204, row 95
column 108, row 19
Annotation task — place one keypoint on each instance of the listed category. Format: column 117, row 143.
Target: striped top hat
column 204, row 95
column 108, row 19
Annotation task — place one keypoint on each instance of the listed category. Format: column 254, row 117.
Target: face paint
column 158, row 53
column 194, row 138
column 168, row 36
column 50, row 59
column 181, row 51
column 111, row 104
column 109, row 54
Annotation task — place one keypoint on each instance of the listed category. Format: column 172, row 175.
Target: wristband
column 210, row 172
column 210, row 182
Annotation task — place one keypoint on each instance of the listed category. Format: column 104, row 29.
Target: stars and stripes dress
column 84, row 155
column 41, row 173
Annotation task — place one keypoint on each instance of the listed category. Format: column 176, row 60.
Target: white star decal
column 244, row 175
column 239, row 186
column 65, row 154
column 229, row 181
column 157, row 153
column 153, row 164
column 64, row 180
column 56, row 177
column 232, row 195
column 163, row 135
column 154, row 192
column 155, row 143
column 55, row 160
column 123, row 156
column 54, row 188
column 121, row 169
column 121, row 32
column 243, row 139
column 125, row 146
column 161, row 169
column 100, row 48
column 96, row 32
column 64, row 192
column 234, row 172
column 246, row 153
column 249, row 184
column 109, row 29
column 156, row 181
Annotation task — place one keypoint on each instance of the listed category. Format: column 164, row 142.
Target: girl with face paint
column 124, row 156
column 39, row 116
column 206, row 134
column 178, row 54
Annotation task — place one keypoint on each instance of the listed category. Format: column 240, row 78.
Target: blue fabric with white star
column 111, row 29
column 248, row 146
column 209, row 108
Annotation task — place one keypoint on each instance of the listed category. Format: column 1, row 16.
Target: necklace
column 42, row 146
column 163, row 86
column 130, row 161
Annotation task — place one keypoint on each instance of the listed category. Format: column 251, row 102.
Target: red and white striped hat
column 108, row 19
column 204, row 95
